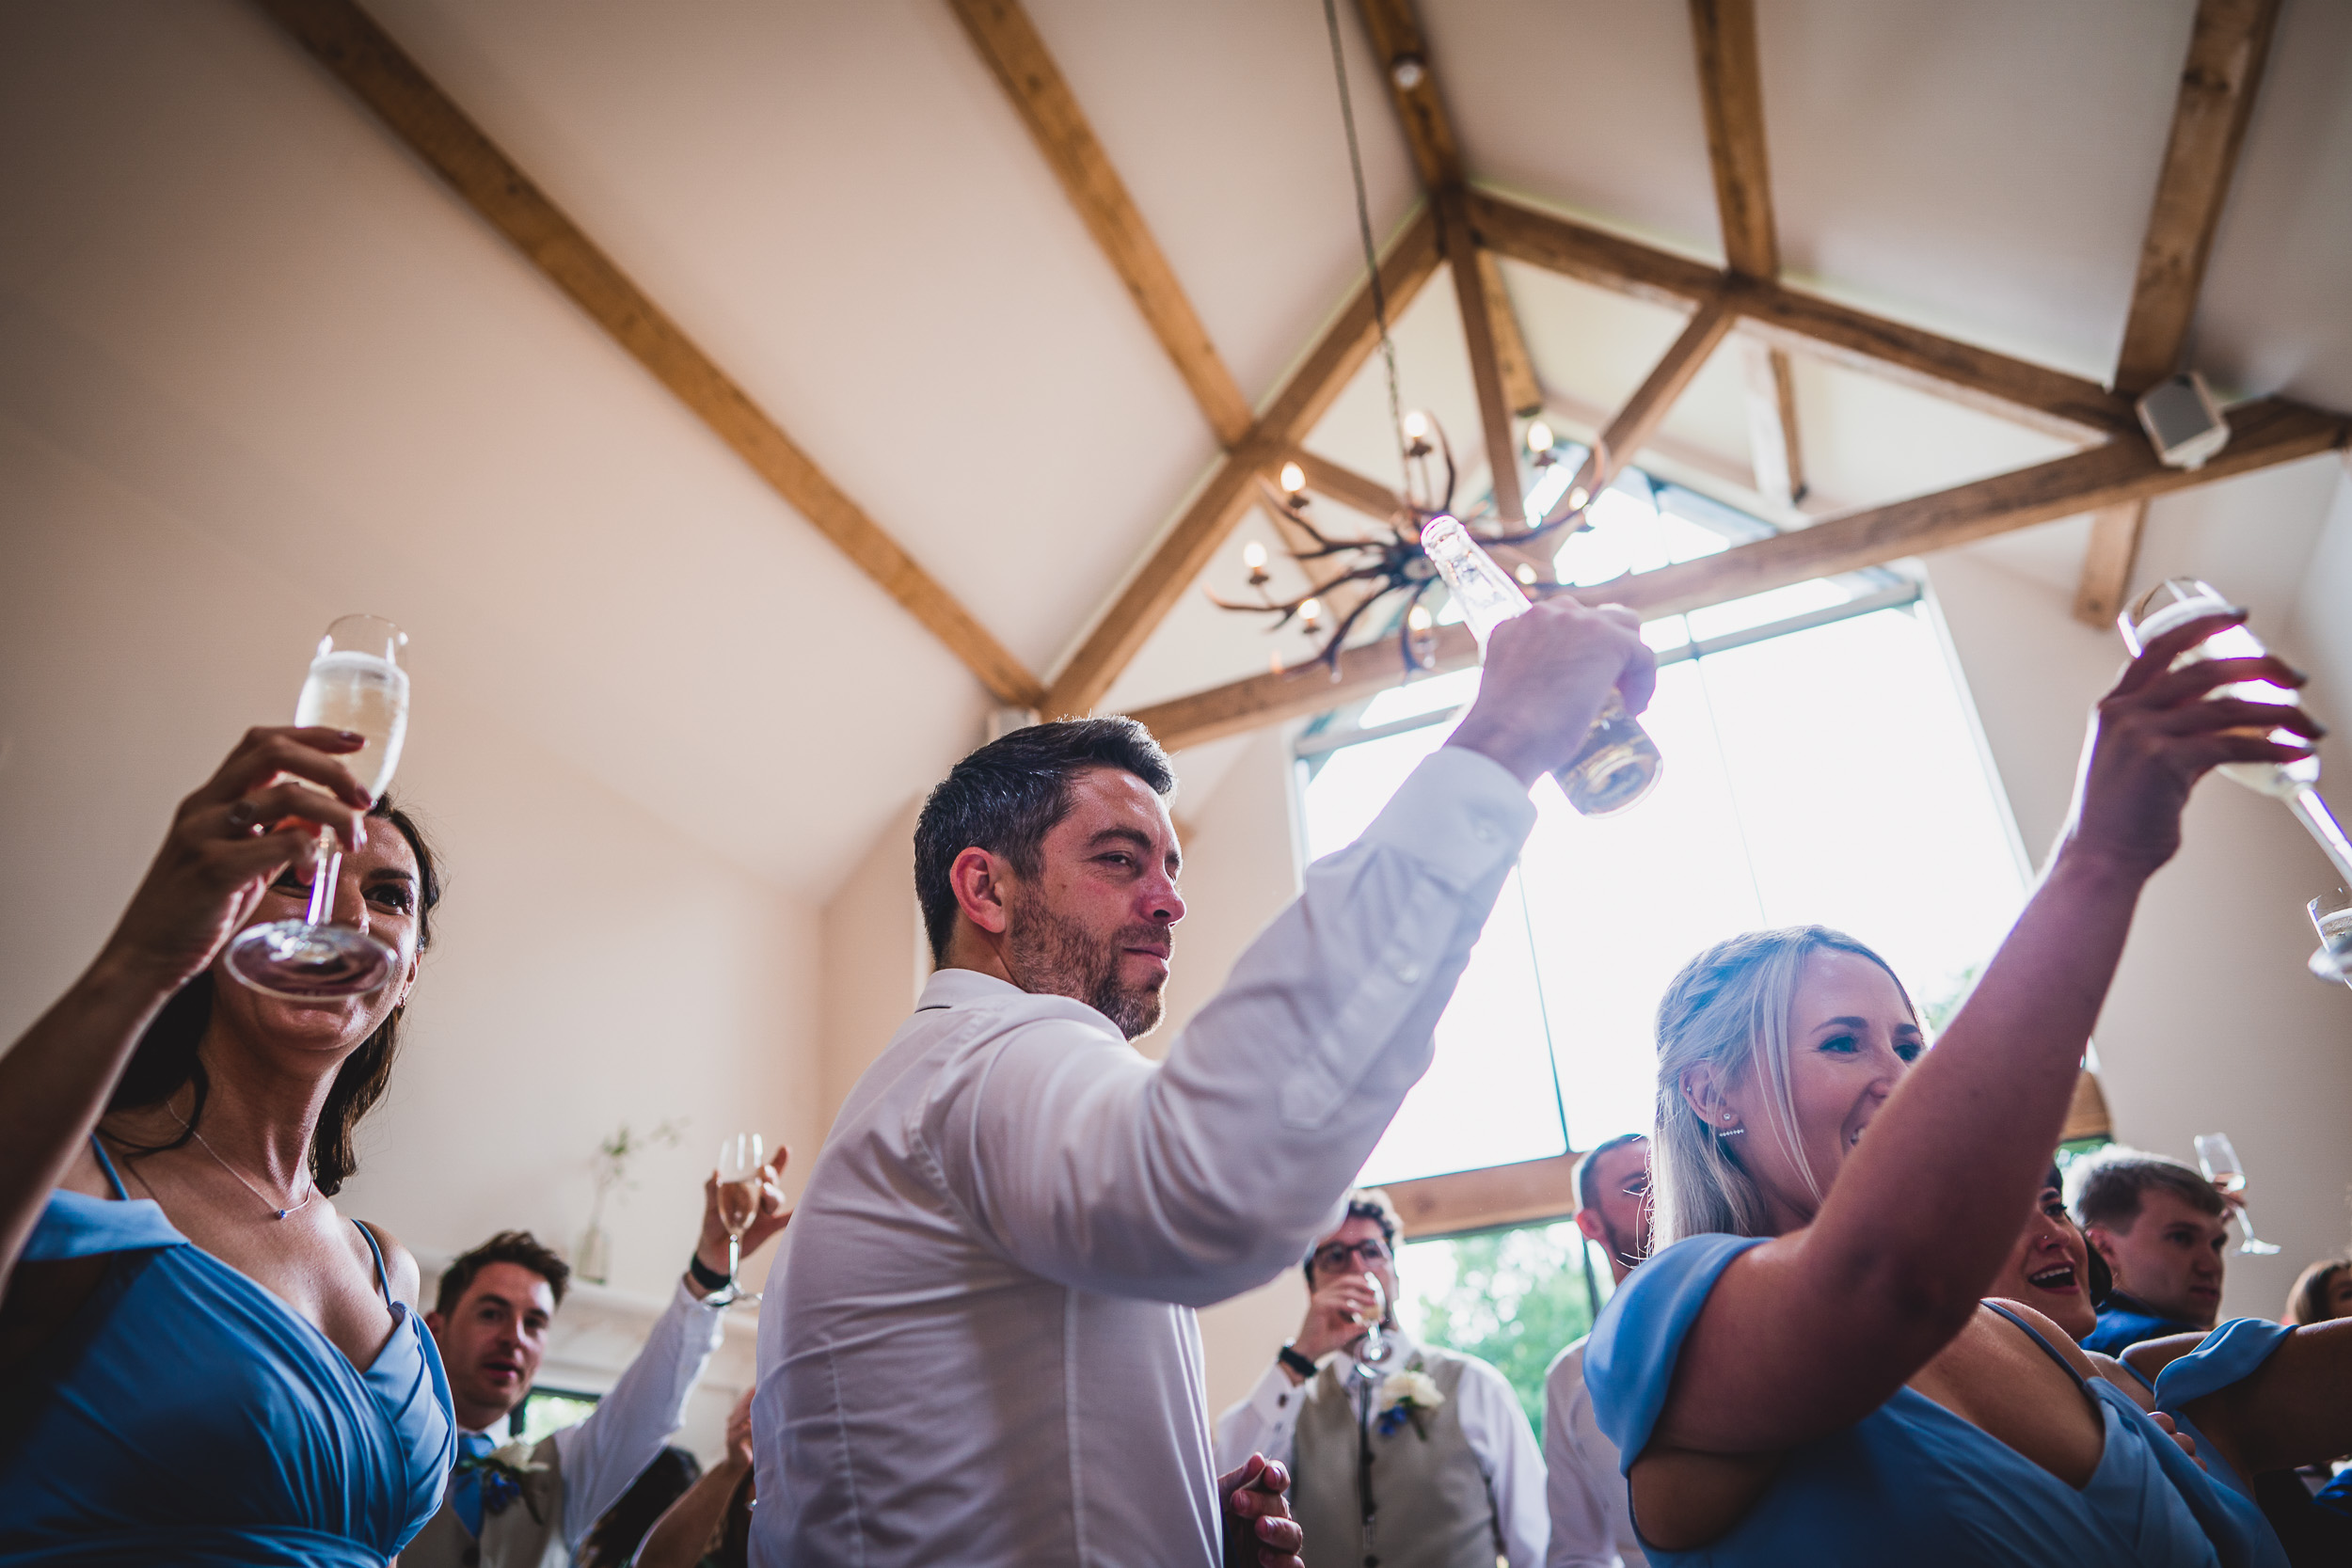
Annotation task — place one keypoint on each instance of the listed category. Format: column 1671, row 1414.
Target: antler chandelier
column 1392, row 561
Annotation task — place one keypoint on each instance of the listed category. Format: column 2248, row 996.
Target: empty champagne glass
column 2177, row 601
column 2219, row 1162
column 2331, row 913
column 742, row 1168
column 1375, row 1349
column 355, row 682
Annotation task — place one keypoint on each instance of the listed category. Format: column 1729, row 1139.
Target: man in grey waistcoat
column 512, row 1505
column 1403, row 1455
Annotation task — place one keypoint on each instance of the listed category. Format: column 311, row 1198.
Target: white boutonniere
column 503, row 1471
column 1408, row 1396
column 515, row 1456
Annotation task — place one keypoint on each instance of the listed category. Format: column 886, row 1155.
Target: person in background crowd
column 980, row 1339
column 2322, row 1292
column 2160, row 1226
column 182, row 1307
column 613, row 1539
column 1584, row 1485
column 492, row 1318
column 710, row 1525
column 1806, row 1370
column 2055, row 1272
column 1425, row 1462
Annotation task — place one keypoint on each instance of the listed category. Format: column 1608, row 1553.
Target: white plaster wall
column 590, row 965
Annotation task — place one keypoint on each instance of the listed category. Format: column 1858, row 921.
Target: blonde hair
column 1728, row 1010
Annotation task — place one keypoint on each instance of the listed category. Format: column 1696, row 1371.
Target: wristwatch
column 1288, row 1355
column 710, row 1279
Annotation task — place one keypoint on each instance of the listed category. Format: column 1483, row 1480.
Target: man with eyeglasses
column 1592, row 1520
column 1403, row 1455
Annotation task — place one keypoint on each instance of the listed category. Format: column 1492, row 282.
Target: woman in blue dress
column 200, row 1361
column 1805, row 1373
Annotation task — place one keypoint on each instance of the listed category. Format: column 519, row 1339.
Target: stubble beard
column 1051, row 955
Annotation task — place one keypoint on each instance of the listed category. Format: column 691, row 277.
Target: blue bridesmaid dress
column 1912, row 1482
column 185, row 1415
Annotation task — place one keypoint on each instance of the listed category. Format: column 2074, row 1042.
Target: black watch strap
column 1288, row 1355
column 710, row 1279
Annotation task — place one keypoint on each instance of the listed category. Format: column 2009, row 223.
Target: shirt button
column 1409, row 974
column 1483, row 832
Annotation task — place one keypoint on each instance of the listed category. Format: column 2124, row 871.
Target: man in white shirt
column 1418, row 1475
column 979, row 1344
column 512, row 1507
column 1592, row 1520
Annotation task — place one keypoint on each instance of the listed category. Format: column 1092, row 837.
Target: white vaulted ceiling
column 339, row 372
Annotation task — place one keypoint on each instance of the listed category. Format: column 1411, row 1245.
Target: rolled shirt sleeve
column 1267, row 1422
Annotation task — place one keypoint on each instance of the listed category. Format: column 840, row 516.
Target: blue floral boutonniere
column 1408, row 1396
column 503, row 1472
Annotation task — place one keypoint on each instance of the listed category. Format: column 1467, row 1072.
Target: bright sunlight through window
column 1822, row 765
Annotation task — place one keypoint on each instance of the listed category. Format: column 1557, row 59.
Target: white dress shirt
column 601, row 1455
column 979, row 1344
column 1492, row 1423
column 1592, row 1519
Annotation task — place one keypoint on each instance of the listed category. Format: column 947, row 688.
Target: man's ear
column 980, row 881
column 434, row 1324
column 1590, row 1223
column 2101, row 1242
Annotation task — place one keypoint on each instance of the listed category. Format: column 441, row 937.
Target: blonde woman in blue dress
column 1805, row 1373
column 200, row 1361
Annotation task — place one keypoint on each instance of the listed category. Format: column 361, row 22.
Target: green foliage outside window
column 1514, row 1298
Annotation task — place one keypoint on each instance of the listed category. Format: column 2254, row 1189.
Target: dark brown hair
column 1006, row 797
column 2308, row 1301
column 519, row 1248
column 2109, row 1186
column 166, row 1055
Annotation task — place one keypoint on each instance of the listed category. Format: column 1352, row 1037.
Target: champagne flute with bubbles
column 743, row 1170
column 1374, row 1352
column 2177, row 601
column 355, row 682
column 2219, row 1162
column 2331, row 913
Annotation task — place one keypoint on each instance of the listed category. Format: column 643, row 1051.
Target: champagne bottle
column 1618, row 763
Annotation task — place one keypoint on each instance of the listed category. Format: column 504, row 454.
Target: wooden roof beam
column 1498, row 350
column 1006, row 40
column 2117, row 473
column 2227, row 49
column 360, row 55
column 1647, row 409
column 1128, row 622
column 2016, row 389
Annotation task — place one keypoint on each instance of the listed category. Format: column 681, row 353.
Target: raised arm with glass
column 2177, row 601
column 1618, row 763
column 355, row 682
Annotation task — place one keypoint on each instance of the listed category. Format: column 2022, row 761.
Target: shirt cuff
column 714, row 1315
column 1460, row 813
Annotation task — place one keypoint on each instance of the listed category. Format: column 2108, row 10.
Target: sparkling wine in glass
column 355, row 682
column 2219, row 1162
column 2331, row 913
column 1374, row 1351
column 742, row 1168
column 1618, row 763
column 2177, row 601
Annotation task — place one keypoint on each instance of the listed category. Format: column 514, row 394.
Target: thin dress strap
column 108, row 1166
column 382, row 1283
column 2047, row 1349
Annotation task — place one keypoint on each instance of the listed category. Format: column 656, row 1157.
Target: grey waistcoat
column 1433, row 1508
column 527, row 1534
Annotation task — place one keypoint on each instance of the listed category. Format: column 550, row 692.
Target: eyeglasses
column 1371, row 1251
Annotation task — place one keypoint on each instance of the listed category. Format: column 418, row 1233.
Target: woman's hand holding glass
column 229, row 840
column 2159, row 731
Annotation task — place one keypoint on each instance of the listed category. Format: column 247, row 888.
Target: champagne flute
column 2177, row 601
column 1617, row 764
column 355, row 682
column 2219, row 1162
column 2331, row 913
column 1374, row 1350
column 743, row 1169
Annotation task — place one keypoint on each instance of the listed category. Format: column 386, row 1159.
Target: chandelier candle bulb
column 1253, row 555
column 1416, row 425
column 1294, row 478
column 1618, row 763
column 1539, row 438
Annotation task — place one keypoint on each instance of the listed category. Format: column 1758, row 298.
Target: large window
column 1822, row 765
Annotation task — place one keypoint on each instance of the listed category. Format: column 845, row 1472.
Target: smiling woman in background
column 200, row 1361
